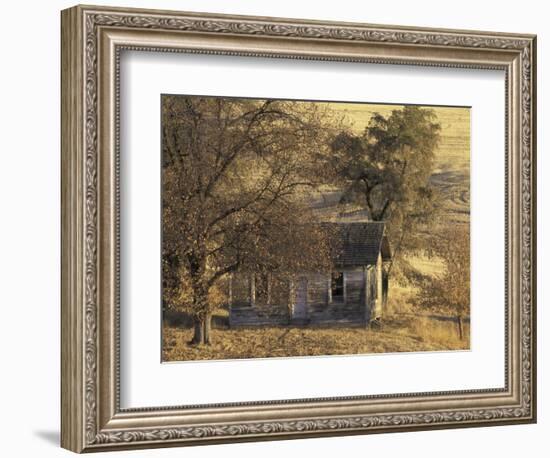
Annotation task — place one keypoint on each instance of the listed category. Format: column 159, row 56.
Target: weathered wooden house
column 351, row 294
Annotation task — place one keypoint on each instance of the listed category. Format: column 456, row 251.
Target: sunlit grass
column 398, row 333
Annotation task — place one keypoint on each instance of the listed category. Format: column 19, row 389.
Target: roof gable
column 358, row 244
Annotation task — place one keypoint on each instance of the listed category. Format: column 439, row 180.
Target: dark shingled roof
column 358, row 244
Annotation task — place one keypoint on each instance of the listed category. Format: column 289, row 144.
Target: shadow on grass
column 177, row 319
column 447, row 318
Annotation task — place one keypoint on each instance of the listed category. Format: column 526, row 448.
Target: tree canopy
column 235, row 176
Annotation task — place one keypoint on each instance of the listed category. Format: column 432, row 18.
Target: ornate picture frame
column 92, row 40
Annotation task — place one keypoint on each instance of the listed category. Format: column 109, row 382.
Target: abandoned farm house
column 353, row 293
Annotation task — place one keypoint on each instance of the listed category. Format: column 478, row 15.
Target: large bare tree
column 236, row 175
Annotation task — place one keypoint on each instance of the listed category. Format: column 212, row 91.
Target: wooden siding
column 279, row 290
column 354, row 286
column 259, row 315
column 240, row 290
column 355, row 309
column 243, row 313
column 371, row 292
column 322, row 309
column 317, row 294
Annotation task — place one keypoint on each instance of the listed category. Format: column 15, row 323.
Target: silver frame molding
column 92, row 40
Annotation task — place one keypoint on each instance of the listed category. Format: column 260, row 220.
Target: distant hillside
column 453, row 152
column 455, row 189
column 454, row 186
column 451, row 169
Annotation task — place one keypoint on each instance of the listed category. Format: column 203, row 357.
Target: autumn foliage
column 235, row 172
column 450, row 291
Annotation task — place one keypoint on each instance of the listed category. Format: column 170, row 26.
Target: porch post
column 230, row 296
column 268, row 287
column 379, row 291
column 252, row 291
column 366, row 294
column 344, row 284
column 291, row 297
column 230, row 291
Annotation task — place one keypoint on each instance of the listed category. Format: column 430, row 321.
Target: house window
column 337, row 287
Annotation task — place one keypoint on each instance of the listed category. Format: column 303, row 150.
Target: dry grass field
column 403, row 332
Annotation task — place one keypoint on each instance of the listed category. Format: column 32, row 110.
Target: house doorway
column 300, row 306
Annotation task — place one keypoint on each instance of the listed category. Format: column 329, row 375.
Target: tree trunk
column 202, row 315
column 199, row 334
column 460, row 327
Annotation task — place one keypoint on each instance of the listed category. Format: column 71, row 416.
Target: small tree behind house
column 450, row 291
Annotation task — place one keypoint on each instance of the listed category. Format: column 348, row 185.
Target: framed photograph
column 277, row 228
